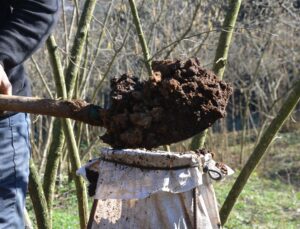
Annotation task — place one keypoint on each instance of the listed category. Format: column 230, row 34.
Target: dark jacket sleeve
column 26, row 29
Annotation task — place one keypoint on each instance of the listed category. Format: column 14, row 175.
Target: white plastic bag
column 146, row 189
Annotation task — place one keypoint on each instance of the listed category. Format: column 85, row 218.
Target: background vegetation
column 263, row 65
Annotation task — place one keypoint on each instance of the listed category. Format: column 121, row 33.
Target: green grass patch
column 66, row 219
column 65, row 210
column 263, row 204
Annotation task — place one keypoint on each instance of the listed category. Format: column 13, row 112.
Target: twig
column 186, row 32
column 42, row 77
column 141, row 36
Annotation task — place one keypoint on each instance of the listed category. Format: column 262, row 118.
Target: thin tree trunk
column 54, row 155
column 38, row 198
column 140, row 33
column 47, row 144
column 67, row 89
column 77, row 49
column 57, row 68
column 53, row 163
column 221, row 56
column 71, row 77
column 259, row 151
column 97, row 52
column 79, row 182
column 58, row 140
column 245, row 114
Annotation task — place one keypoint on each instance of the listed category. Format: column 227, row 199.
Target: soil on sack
column 180, row 100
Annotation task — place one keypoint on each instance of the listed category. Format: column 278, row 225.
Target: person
column 24, row 26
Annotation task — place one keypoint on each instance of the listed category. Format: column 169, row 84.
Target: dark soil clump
column 180, row 100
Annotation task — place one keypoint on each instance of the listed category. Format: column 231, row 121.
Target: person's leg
column 14, row 169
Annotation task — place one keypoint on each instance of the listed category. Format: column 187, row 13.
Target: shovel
column 78, row 110
column 178, row 101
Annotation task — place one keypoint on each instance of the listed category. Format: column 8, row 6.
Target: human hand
column 5, row 85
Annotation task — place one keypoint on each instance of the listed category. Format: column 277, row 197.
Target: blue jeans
column 14, row 169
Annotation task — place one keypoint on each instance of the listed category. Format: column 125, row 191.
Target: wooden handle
column 78, row 110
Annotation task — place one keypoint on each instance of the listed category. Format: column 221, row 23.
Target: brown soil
column 203, row 152
column 180, row 100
